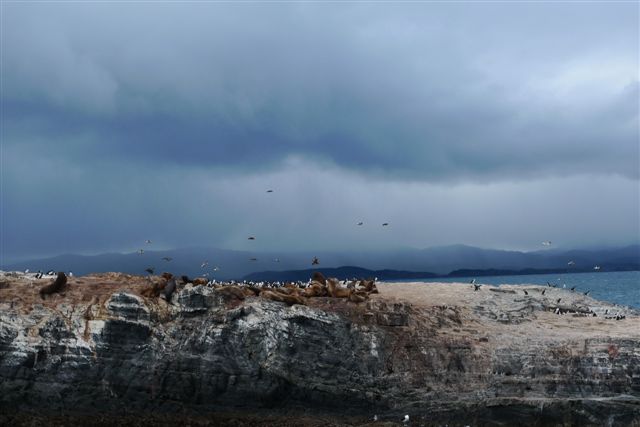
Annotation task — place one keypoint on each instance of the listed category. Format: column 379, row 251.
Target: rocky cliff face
column 481, row 364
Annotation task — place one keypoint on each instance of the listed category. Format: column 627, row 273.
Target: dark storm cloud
column 418, row 91
column 489, row 124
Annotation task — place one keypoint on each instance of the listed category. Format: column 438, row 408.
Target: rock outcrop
column 500, row 360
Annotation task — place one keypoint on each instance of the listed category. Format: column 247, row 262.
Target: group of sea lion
column 290, row 294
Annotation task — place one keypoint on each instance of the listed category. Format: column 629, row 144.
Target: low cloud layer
column 494, row 124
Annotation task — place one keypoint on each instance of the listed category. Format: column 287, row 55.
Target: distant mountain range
column 456, row 260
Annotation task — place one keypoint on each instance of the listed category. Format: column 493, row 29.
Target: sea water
column 619, row 287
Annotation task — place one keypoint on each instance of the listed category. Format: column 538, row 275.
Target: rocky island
column 104, row 352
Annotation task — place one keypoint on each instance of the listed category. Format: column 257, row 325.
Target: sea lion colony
column 357, row 290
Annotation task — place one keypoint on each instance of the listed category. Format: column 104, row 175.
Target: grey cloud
column 418, row 91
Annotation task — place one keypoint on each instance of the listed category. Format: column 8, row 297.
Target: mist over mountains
column 437, row 260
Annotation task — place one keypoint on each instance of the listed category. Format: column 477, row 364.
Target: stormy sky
column 490, row 124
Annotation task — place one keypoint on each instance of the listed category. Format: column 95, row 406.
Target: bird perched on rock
column 526, row 293
column 405, row 420
column 558, row 301
column 543, row 291
column 587, row 293
column 573, row 288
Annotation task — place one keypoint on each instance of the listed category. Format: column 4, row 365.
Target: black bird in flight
column 251, row 238
column 315, row 261
column 360, row 223
column 385, row 224
column 269, row 191
column 149, row 270
column 166, row 258
column 253, row 259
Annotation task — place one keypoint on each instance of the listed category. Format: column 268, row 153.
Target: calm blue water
column 620, row 287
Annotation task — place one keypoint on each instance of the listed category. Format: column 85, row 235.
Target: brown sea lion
column 336, row 291
column 319, row 277
column 277, row 296
column 233, row 291
column 316, row 289
column 358, row 296
column 199, row 281
column 56, row 286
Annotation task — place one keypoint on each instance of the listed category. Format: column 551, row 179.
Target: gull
column 269, row 191
column 204, row 264
column 149, row 270
column 26, row 271
column 148, row 242
column 216, row 268
column 546, row 243
column 167, row 258
column 375, row 418
column 360, row 223
column 385, row 224
column 315, row 261
column 50, row 272
column 473, row 281
column 571, row 263
column 406, row 419
column 70, row 274
column 251, row 238
column 597, row 267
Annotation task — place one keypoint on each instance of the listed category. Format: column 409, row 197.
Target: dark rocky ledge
column 486, row 358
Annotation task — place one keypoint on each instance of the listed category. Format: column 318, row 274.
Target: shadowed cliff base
column 442, row 353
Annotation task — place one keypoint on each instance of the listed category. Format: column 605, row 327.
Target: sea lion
column 233, row 291
column 277, row 296
column 358, row 296
column 199, row 281
column 169, row 289
column 336, row 291
column 316, row 289
column 56, row 286
column 318, row 277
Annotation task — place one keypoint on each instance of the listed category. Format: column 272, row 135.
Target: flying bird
column 167, row 258
column 385, row 224
column 216, row 268
column 140, row 251
column 546, row 243
column 315, row 261
column 597, row 267
column 360, row 223
column 251, row 238
column 571, row 263
column 148, row 242
column 406, row 419
column 204, row 264
column 269, row 191
column 149, row 270
column 253, row 259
